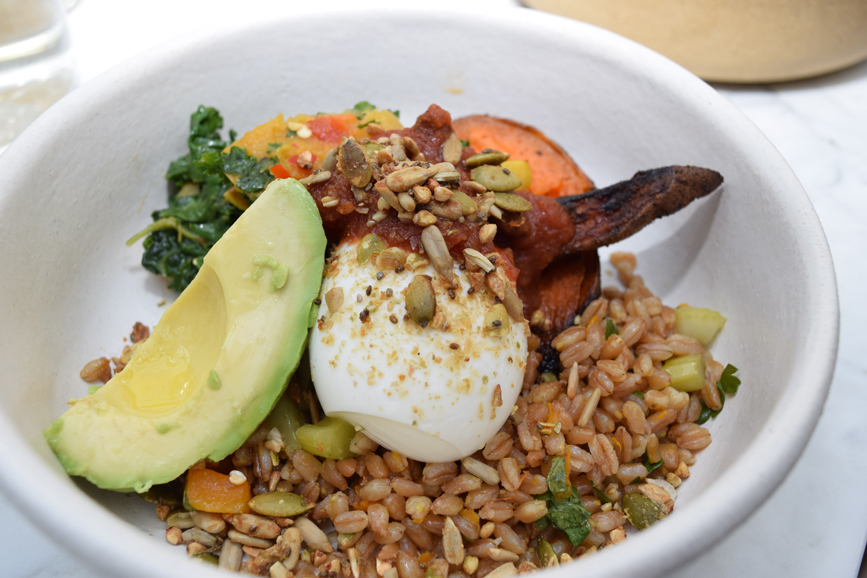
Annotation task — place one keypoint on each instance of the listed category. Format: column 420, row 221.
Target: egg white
column 411, row 389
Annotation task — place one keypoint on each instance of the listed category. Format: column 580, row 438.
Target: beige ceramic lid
column 735, row 40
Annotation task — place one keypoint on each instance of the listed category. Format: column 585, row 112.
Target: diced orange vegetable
column 470, row 516
column 280, row 172
column 210, row 491
column 555, row 174
column 331, row 128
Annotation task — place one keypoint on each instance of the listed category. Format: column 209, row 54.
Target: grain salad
column 470, row 401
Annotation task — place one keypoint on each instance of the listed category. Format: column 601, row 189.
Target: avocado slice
column 218, row 360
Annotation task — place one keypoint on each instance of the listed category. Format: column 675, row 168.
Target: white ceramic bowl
column 88, row 173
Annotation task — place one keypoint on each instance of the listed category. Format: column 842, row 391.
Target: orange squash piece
column 210, row 491
column 554, row 173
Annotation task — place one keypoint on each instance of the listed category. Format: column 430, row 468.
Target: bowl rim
column 763, row 461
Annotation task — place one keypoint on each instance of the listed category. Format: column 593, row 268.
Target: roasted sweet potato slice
column 608, row 215
column 563, row 290
column 555, row 174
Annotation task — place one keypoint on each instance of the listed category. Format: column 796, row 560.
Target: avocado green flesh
column 217, row 361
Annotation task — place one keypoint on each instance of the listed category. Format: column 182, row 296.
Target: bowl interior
column 87, row 175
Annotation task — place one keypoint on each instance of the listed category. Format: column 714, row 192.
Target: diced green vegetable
column 329, row 438
column 699, row 323
column 287, row 418
column 610, row 328
column 641, row 511
column 687, row 372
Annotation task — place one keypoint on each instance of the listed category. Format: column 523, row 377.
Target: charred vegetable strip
column 608, row 215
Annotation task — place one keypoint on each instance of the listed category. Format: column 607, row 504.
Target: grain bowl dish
column 87, row 174
column 469, row 400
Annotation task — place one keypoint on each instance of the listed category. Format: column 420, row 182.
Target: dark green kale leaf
column 198, row 214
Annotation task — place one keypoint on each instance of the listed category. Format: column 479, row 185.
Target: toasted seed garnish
column 436, row 248
column 319, row 177
column 279, row 504
column 411, row 147
column 495, row 178
column 478, row 260
column 496, row 212
column 334, row 299
column 443, row 194
column 453, row 543
column 424, row 219
column 481, row 470
column 422, row 194
column 487, row 157
column 452, row 149
column 405, row 179
column 391, row 258
column 497, row 321
column 512, row 202
column 407, row 202
column 513, row 303
column 329, row 201
column 388, row 195
column 487, row 233
column 370, row 245
column 468, row 205
column 414, row 261
column 447, row 177
column 329, row 161
column 496, row 282
column 353, row 163
column 474, row 187
column 450, row 210
column 421, row 304
column 378, row 216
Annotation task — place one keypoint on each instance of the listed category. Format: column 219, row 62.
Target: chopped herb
column 727, row 385
column 651, row 466
column 233, row 135
column 291, row 133
column 465, row 143
column 638, row 394
column 601, row 495
column 635, row 480
column 395, row 113
column 371, row 121
column 362, row 108
column 566, row 511
column 610, row 329
column 273, row 147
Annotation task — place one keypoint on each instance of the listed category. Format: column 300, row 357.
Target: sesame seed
column 379, row 276
column 364, row 315
column 453, row 345
column 398, row 269
column 317, row 301
column 451, row 293
column 389, row 292
column 471, row 290
column 368, row 290
column 358, row 298
column 496, row 323
column 392, row 318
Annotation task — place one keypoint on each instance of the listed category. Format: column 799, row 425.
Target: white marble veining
column 815, row 524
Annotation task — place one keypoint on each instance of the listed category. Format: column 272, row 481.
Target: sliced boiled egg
column 433, row 393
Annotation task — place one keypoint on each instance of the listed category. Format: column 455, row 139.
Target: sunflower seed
column 452, row 149
column 479, row 260
column 436, row 248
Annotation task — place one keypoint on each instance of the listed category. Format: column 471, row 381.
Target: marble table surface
column 815, row 524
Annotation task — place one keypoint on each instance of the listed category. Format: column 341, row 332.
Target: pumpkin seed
column 436, row 248
column 495, row 178
column 468, row 205
column 279, row 504
column 421, row 301
column 371, row 148
column 354, row 164
column 452, row 149
column 513, row 303
column 497, row 321
column 512, row 202
column 487, row 157
column 206, row 557
column 180, row 518
column 547, row 555
column 641, row 511
column 370, row 245
column 447, row 177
